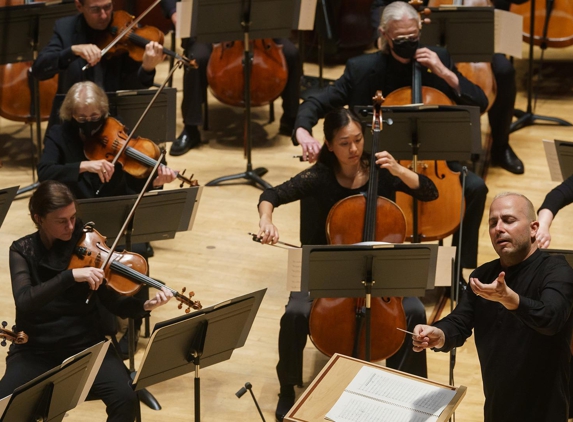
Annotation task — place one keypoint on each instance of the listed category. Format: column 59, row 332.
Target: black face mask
column 406, row 48
column 89, row 128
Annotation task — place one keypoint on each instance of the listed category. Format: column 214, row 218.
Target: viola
column 268, row 73
column 10, row 335
column 333, row 321
column 135, row 40
column 139, row 156
column 126, row 271
column 558, row 14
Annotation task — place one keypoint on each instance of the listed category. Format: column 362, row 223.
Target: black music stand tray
column 147, row 224
column 242, row 20
column 467, row 32
column 197, row 340
column 368, row 269
column 7, row 195
column 49, row 396
column 128, row 106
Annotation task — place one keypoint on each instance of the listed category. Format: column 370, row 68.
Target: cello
column 336, row 324
column 553, row 20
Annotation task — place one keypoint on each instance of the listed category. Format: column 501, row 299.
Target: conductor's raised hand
column 90, row 275
column 89, row 52
column 497, row 291
column 427, row 337
column 161, row 298
column 310, row 146
column 268, row 232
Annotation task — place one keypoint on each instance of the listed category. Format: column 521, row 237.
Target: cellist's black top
column 319, row 182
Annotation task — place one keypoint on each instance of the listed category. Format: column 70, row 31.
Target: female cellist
column 51, row 306
column 341, row 171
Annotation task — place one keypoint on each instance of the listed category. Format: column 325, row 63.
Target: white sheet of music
column 375, row 395
column 306, row 15
column 294, row 269
column 552, row 160
column 184, row 9
column 508, row 32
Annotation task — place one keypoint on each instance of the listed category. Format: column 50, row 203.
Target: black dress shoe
column 286, row 401
column 189, row 138
column 507, row 160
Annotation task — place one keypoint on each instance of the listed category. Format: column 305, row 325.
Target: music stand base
column 253, row 176
column 528, row 119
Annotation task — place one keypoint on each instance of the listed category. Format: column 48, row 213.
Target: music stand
column 146, row 225
column 257, row 19
column 129, row 105
column 200, row 339
column 527, row 117
column 49, row 396
column 7, row 195
column 369, row 269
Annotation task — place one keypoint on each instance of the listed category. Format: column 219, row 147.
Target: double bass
column 553, row 22
column 336, row 325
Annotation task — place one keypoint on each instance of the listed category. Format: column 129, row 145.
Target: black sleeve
column 29, row 296
column 317, row 106
column 52, row 165
column 53, row 58
column 169, row 7
column 427, row 190
column 559, row 197
column 304, row 184
column 122, row 306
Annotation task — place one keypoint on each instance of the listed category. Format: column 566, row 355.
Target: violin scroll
column 11, row 335
column 195, row 304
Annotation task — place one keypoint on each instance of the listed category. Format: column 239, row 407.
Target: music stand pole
column 253, row 176
column 528, row 118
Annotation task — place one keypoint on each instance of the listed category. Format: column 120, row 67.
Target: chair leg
column 206, row 112
column 271, row 111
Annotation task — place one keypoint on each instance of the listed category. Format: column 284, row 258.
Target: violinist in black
column 73, row 45
column 51, row 304
column 83, row 115
column 342, row 170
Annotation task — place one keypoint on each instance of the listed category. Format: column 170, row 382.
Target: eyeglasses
column 96, row 10
column 92, row 118
column 406, row 38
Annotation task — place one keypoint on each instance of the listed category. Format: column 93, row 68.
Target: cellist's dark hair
column 48, row 197
column 333, row 122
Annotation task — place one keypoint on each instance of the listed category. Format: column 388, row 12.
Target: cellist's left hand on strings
column 164, row 175
column 161, row 298
column 385, row 161
column 153, row 56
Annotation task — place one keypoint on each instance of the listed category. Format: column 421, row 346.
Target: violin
column 134, row 41
column 126, row 271
column 268, row 73
column 10, row 335
column 336, row 324
column 138, row 157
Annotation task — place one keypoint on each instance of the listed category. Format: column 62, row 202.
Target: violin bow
column 257, row 239
column 129, row 217
column 125, row 31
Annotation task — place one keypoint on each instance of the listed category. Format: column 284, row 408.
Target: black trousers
column 112, row 384
column 195, row 82
column 294, row 330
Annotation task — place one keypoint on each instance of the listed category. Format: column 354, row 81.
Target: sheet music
column 552, row 160
column 4, row 404
column 306, row 15
column 294, row 270
column 184, row 9
column 508, row 28
column 390, row 395
column 444, row 266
